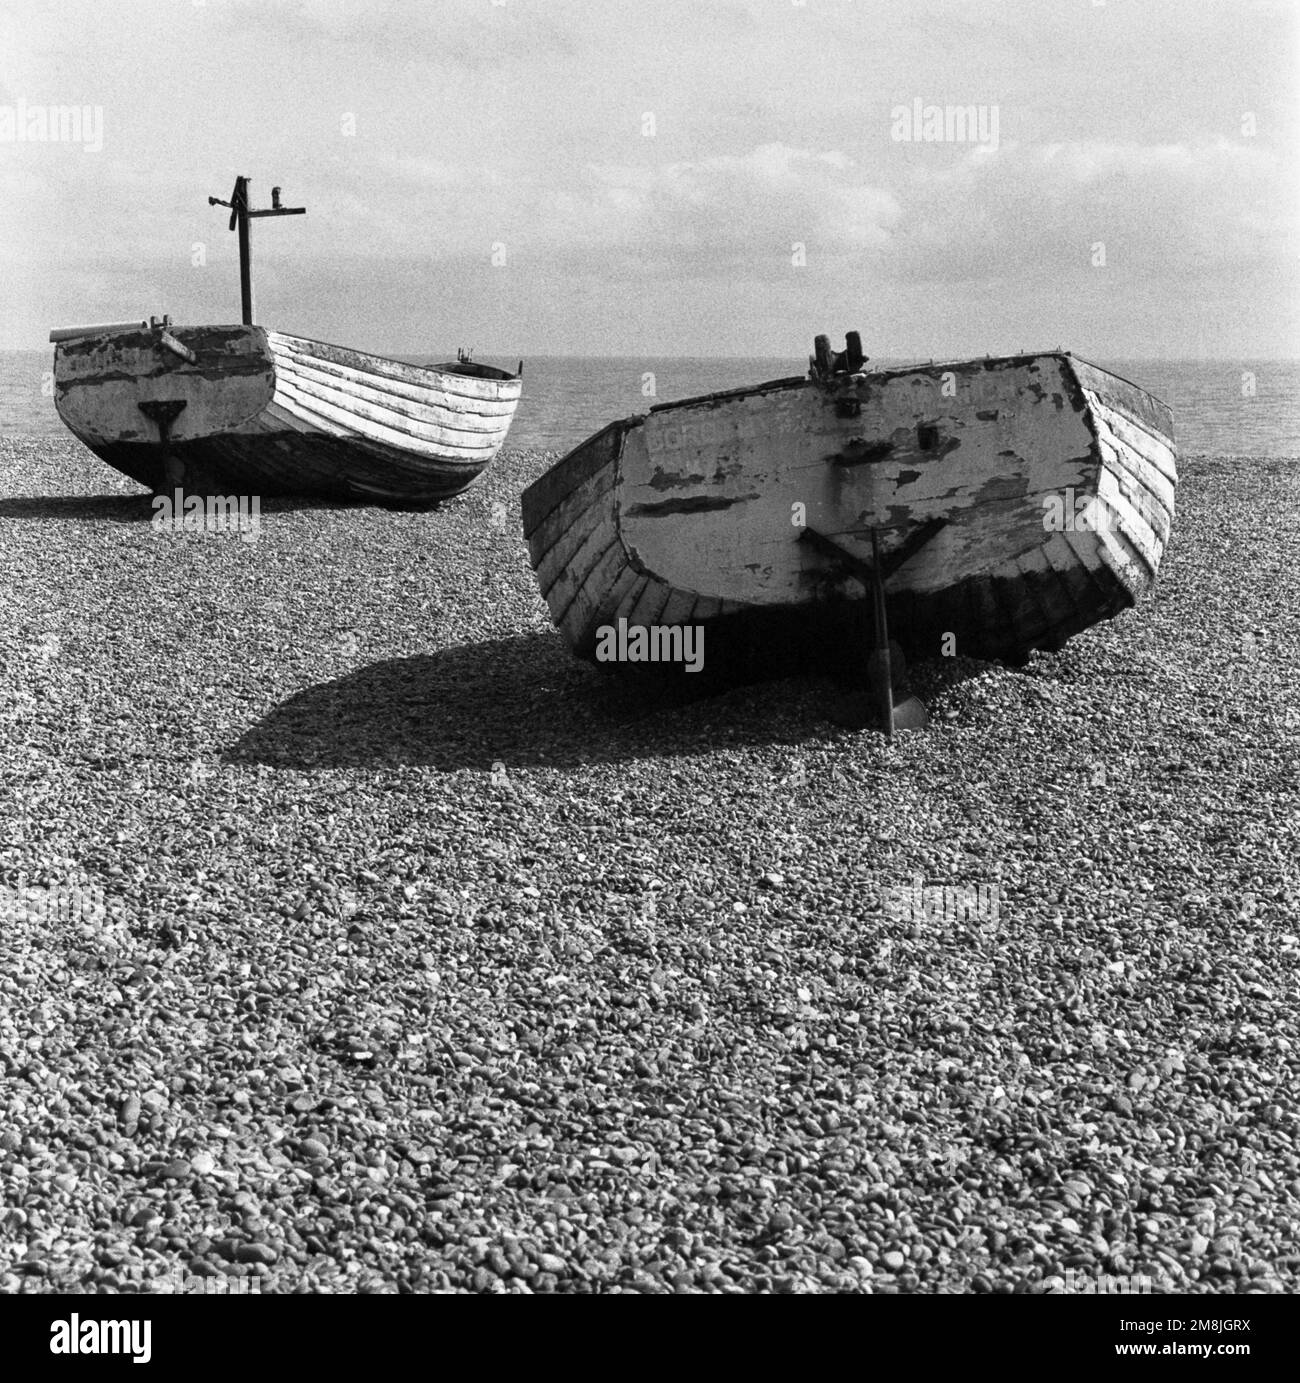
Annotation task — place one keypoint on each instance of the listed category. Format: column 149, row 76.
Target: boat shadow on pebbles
column 526, row 701
column 139, row 507
column 79, row 508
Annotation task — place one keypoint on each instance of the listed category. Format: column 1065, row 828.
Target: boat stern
column 137, row 384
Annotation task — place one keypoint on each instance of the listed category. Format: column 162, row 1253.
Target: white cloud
column 715, row 212
column 1159, row 207
column 474, row 123
column 728, row 205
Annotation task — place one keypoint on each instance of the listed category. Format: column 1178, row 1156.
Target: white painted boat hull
column 264, row 413
column 1050, row 483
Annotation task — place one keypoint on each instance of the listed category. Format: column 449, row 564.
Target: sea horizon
column 1222, row 407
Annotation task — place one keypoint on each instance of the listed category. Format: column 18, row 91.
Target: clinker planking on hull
column 244, row 410
column 1016, row 501
column 264, row 413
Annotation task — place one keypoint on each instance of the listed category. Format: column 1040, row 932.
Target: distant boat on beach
column 993, row 506
column 242, row 409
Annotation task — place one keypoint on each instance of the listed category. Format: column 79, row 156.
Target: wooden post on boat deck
column 240, row 203
column 240, row 215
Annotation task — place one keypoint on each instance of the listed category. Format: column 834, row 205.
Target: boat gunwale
column 526, row 497
column 299, row 378
column 1123, row 379
column 895, row 371
column 491, row 373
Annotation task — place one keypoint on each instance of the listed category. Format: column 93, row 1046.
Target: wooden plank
column 836, row 551
column 1040, row 583
column 1117, row 550
column 705, row 608
column 550, row 491
column 352, row 422
column 568, row 582
column 441, row 413
column 438, row 389
column 1138, row 472
column 1011, row 598
column 396, row 418
column 744, row 391
column 74, row 333
column 592, row 610
column 651, row 605
column 625, row 594
column 584, row 508
column 276, row 418
column 1151, row 448
column 1061, row 559
column 590, row 597
column 595, row 534
column 1021, row 595
column 678, row 609
column 1130, row 521
column 1116, row 478
column 1086, row 575
column 990, row 618
column 1121, row 395
column 239, row 214
column 469, row 385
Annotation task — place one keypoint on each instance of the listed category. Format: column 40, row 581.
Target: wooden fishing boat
column 247, row 411
column 1011, row 503
column 240, row 409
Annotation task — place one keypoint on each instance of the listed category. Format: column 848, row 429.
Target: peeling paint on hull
column 981, row 445
column 270, row 414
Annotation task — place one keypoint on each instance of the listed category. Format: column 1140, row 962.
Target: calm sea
column 1233, row 408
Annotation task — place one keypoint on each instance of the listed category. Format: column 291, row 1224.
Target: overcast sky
column 647, row 169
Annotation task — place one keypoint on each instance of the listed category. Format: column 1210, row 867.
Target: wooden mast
column 240, row 215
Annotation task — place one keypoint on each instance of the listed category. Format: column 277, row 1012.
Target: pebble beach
column 354, row 937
